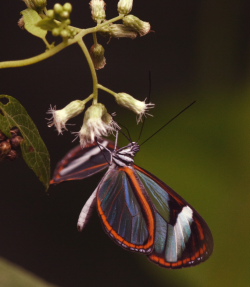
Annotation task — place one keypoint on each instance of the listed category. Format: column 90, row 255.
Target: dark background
column 199, row 50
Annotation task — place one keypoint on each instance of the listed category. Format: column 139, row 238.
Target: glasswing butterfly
column 138, row 211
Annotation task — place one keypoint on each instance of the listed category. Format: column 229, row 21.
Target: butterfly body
column 138, row 211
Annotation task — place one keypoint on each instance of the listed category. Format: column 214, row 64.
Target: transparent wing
column 125, row 211
column 80, row 163
column 182, row 237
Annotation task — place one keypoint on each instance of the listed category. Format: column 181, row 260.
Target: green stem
column 110, row 21
column 51, row 52
column 47, row 43
column 107, row 90
column 92, row 70
column 95, row 39
column 33, row 60
column 88, row 99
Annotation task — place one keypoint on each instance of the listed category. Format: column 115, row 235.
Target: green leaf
column 31, row 18
column 13, row 275
column 47, row 24
column 34, row 151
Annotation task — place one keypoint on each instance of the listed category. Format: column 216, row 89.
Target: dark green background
column 199, row 50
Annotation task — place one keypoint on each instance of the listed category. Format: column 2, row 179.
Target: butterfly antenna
column 101, row 147
column 148, row 101
column 128, row 137
column 168, row 122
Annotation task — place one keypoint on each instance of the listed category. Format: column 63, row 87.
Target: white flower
column 133, row 22
column 139, row 107
column 98, row 10
column 60, row 117
column 125, row 6
column 97, row 123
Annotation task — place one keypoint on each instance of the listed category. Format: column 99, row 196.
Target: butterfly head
column 133, row 148
column 125, row 155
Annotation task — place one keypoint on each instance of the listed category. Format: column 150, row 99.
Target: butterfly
column 138, row 211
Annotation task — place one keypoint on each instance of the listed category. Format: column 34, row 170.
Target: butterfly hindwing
column 119, row 199
column 80, row 163
column 182, row 237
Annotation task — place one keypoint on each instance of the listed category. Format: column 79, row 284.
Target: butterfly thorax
column 125, row 156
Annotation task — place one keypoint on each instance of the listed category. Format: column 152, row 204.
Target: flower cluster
column 97, row 122
column 58, row 21
column 132, row 26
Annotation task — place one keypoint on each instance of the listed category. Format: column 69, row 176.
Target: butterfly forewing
column 182, row 237
column 128, row 221
column 80, row 163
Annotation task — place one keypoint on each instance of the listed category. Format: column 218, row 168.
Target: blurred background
column 198, row 50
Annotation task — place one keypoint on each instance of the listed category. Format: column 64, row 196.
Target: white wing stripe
column 84, row 158
column 179, row 234
column 86, row 211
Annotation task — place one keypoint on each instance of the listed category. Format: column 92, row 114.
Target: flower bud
column 12, row 155
column 37, row 5
column 121, row 31
column 60, row 117
column 129, row 102
column 98, row 10
column 50, row 13
column 97, row 56
column 15, row 132
column 67, row 7
column 5, row 148
column 58, row 8
column 118, row 31
column 65, row 34
column 139, row 26
column 125, row 6
column 60, row 13
column 16, row 141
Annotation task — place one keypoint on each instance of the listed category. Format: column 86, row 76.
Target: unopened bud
column 58, row 8
column 50, row 13
column 16, row 141
column 97, row 56
column 12, row 155
column 139, row 26
column 125, row 6
column 5, row 148
column 67, row 7
column 122, row 31
column 60, row 12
